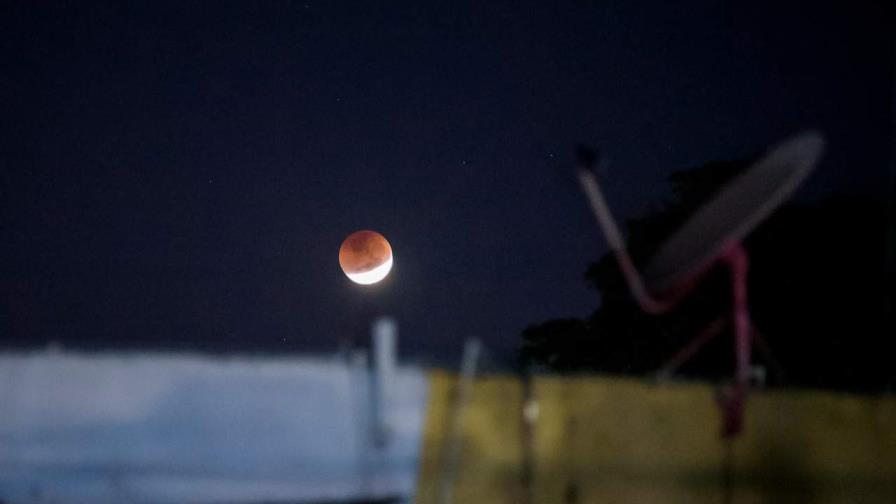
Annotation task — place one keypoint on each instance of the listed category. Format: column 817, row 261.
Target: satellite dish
column 733, row 212
column 712, row 234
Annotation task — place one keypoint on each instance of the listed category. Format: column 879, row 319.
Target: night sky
column 181, row 175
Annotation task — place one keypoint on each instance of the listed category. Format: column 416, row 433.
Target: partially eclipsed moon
column 365, row 257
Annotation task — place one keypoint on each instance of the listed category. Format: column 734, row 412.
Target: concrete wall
column 112, row 428
column 601, row 439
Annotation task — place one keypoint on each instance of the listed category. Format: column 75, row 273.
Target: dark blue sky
column 180, row 175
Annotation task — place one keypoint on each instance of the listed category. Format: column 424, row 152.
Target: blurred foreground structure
column 599, row 439
column 182, row 428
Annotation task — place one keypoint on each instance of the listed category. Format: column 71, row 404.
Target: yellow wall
column 622, row 440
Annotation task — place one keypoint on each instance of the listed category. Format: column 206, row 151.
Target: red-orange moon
column 365, row 257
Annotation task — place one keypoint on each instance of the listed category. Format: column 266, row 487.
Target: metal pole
column 385, row 340
column 452, row 447
column 732, row 402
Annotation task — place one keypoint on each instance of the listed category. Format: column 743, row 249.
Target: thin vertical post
column 385, row 341
column 451, row 454
column 732, row 402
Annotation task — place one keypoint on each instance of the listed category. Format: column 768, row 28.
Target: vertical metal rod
column 385, row 341
column 732, row 403
column 451, row 453
column 737, row 259
column 529, row 417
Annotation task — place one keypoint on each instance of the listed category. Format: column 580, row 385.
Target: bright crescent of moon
column 373, row 276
